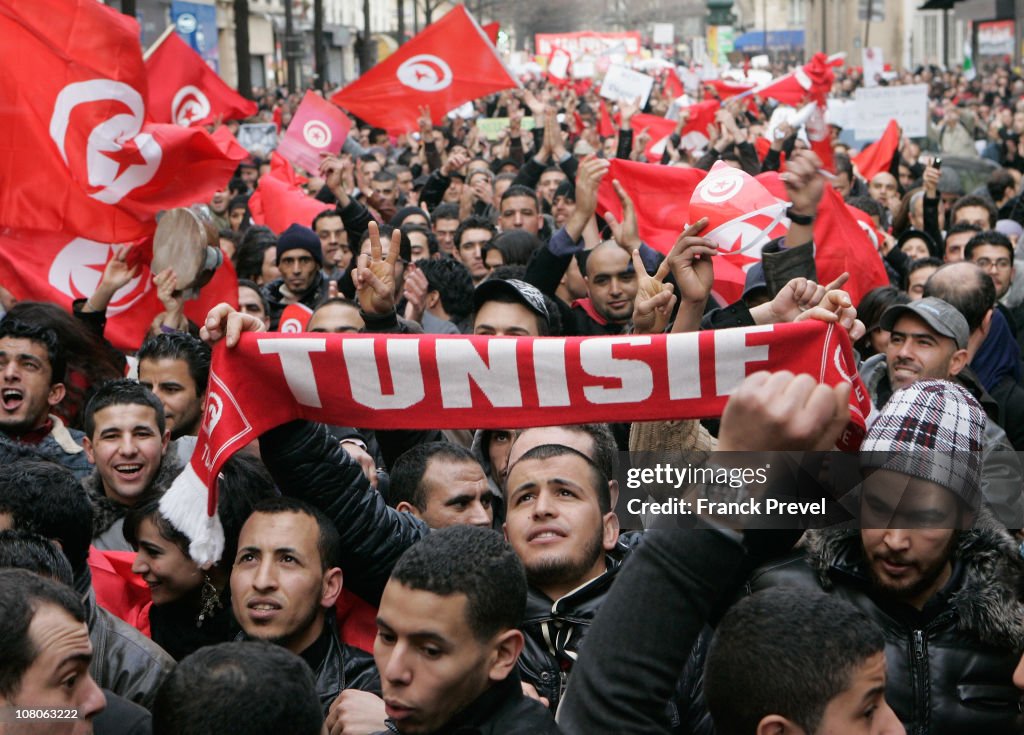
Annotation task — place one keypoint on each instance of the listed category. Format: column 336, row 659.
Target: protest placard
column 875, row 106
column 623, row 84
column 491, row 127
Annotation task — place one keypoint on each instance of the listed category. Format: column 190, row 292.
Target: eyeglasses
column 986, row 263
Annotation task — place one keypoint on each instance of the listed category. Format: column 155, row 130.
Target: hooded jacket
column 315, row 295
column 950, row 666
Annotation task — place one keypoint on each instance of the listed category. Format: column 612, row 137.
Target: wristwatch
column 799, row 219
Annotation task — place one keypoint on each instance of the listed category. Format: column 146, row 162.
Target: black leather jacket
column 344, row 667
column 555, row 630
column 124, row 661
column 501, row 710
column 949, row 666
column 306, row 462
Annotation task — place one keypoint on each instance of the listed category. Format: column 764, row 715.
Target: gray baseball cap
column 940, row 315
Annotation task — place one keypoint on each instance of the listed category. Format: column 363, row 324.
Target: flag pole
column 163, row 37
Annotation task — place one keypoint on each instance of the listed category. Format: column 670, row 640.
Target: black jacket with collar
column 501, row 710
column 342, row 667
column 315, row 295
column 950, row 665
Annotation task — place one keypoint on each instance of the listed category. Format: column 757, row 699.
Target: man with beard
column 300, row 259
column 928, row 340
column 285, row 578
column 176, row 367
column 929, row 565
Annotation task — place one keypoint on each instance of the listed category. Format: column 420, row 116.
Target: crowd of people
column 454, row 581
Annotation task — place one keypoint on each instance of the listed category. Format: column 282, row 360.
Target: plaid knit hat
column 933, row 430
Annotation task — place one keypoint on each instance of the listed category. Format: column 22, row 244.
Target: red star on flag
column 126, row 156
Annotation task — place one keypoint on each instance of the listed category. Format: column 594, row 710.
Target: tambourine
column 187, row 241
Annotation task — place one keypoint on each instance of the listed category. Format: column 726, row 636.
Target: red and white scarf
column 457, row 382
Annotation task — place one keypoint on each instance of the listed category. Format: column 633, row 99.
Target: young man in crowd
column 176, row 368
column 449, row 638
column 33, row 367
column 285, row 579
column 126, row 439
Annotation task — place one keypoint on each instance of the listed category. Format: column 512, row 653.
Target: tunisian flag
column 45, row 266
column 877, row 157
column 693, row 135
column 812, row 80
column 450, row 62
column 78, row 152
column 184, row 90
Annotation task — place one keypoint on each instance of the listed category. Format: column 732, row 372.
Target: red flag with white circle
column 317, row 127
column 184, row 90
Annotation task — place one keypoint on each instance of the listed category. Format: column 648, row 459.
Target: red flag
column 118, row 589
column 577, row 123
column 78, row 154
column 812, row 80
column 820, row 138
column 693, row 135
column 843, row 244
column 491, row 29
column 877, row 157
column 294, row 318
column 661, row 195
column 724, row 88
column 278, row 202
column 317, row 127
column 183, row 89
column 673, row 86
column 450, row 62
column 604, row 123
column 61, row 268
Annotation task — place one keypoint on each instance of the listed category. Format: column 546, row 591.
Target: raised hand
column 375, row 275
column 655, row 299
column 625, row 233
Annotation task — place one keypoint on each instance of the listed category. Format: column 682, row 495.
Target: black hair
column 998, row 183
column 974, row 200
column 973, row 298
column 404, row 246
column 448, row 210
column 34, row 553
column 253, row 286
column 598, row 479
column 787, row 652
column 118, row 393
column 470, row 561
column 248, row 258
column 518, row 190
column 988, row 237
column 957, row 229
column 432, row 246
column 843, row 165
column 566, row 189
column 408, row 470
column 241, row 201
column 329, row 541
column 516, row 246
column 243, row 482
column 454, row 285
column 180, row 346
column 870, row 310
column 605, row 447
column 473, row 222
column 226, row 688
column 867, row 205
column 22, row 593
column 385, row 175
column 45, row 498
column 920, row 263
column 17, row 329
column 334, row 212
